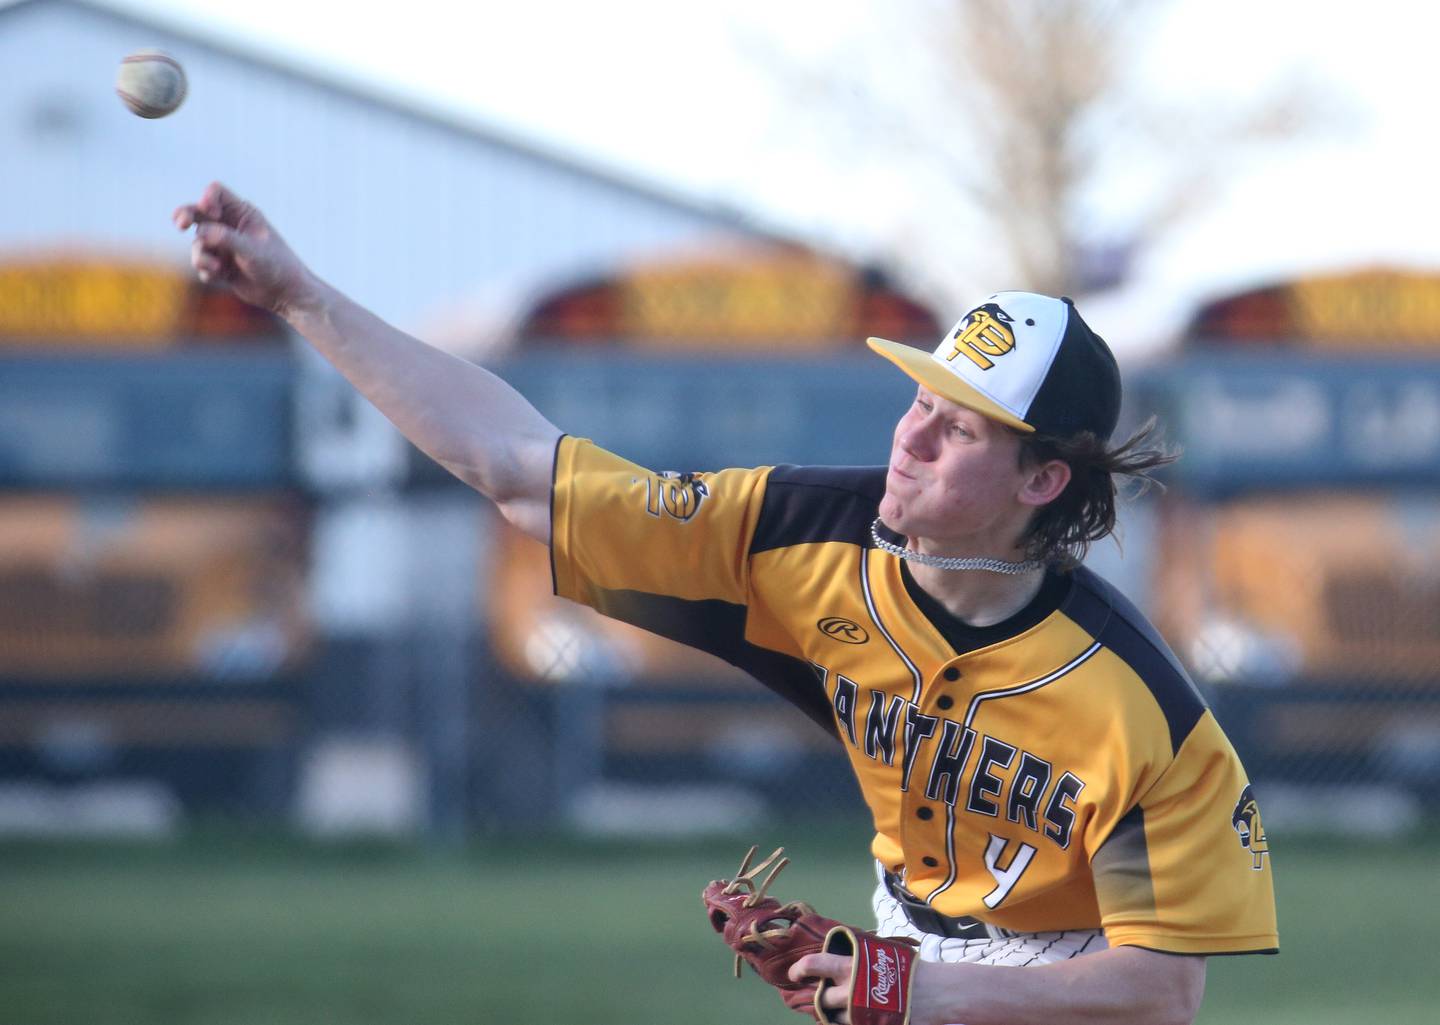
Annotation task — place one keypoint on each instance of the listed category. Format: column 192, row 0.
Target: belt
column 925, row 918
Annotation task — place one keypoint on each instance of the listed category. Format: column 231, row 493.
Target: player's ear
column 1044, row 482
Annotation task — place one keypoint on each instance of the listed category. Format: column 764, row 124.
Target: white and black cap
column 1026, row 360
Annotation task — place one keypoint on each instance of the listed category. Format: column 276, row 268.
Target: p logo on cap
column 1026, row 360
column 984, row 332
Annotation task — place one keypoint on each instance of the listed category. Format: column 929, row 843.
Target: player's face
column 955, row 480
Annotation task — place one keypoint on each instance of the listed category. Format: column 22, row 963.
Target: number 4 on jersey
column 1007, row 877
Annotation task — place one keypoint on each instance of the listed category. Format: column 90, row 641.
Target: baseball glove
column 770, row 937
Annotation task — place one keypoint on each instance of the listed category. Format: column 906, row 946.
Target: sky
column 701, row 99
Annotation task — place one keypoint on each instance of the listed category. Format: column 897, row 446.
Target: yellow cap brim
column 921, row 366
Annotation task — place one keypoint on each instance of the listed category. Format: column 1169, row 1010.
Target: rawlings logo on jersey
column 1246, row 822
column 985, row 332
column 677, row 495
column 846, row 631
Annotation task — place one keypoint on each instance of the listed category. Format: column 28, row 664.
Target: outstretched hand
column 235, row 246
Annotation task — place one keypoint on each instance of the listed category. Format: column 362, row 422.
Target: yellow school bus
column 1297, row 553
column 152, row 545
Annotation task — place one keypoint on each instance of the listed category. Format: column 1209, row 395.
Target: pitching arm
column 459, row 414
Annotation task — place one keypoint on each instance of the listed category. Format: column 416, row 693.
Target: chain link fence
column 375, row 650
column 148, row 638
column 1310, row 619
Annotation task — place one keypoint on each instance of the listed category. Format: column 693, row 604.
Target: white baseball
column 151, row 83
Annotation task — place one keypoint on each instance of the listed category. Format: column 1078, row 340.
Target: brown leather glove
column 770, row 937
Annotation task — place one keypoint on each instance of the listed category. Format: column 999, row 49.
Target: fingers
column 185, row 216
column 220, row 204
column 208, row 265
column 215, row 200
column 821, row 966
column 835, row 998
column 216, row 203
column 826, row 966
column 802, row 1000
column 215, row 248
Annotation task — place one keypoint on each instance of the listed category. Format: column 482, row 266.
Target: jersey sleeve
column 667, row 552
column 1187, row 870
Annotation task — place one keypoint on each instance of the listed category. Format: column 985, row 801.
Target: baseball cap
column 1026, row 360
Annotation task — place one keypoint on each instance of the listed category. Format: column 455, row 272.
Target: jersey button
column 951, row 673
column 925, row 813
column 929, row 861
column 945, row 701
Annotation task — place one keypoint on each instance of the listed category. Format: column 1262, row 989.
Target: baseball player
column 1048, row 788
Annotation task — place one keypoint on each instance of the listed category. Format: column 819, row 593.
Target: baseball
column 151, row 83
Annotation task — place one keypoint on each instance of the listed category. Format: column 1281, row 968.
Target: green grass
column 1359, row 931
column 240, row 931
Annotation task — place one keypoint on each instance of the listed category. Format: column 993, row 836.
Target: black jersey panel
column 718, row 627
column 793, row 679
column 1113, row 621
column 963, row 637
column 815, row 504
column 1088, row 603
column 1123, row 880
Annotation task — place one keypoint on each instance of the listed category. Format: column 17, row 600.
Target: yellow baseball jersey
column 1065, row 774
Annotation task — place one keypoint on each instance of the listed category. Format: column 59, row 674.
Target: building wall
column 412, row 214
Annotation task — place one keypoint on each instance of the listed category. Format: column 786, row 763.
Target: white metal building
column 420, row 217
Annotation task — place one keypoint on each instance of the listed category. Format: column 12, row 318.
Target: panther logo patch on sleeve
column 1245, row 820
column 677, row 495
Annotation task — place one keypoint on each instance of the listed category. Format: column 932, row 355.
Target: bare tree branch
column 1023, row 108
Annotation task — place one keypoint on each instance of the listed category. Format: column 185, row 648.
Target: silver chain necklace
column 952, row 562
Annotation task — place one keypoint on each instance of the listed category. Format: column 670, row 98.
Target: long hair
column 1061, row 532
